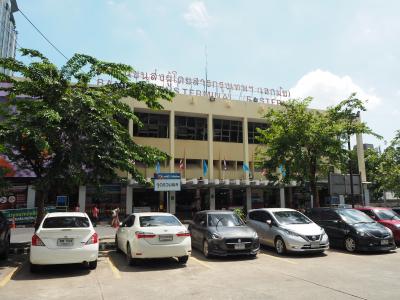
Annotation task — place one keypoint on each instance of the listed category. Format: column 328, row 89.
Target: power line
column 37, row 29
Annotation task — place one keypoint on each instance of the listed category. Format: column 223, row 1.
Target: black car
column 4, row 236
column 222, row 233
column 352, row 229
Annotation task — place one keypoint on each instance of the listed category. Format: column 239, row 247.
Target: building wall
column 8, row 33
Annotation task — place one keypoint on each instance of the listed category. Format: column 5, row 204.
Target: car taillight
column 183, row 233
column 144, row 235
column 36, row 241
column 94, row 239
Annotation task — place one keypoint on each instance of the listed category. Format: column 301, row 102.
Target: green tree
column 304, row 144
column 69, row 132
column 390, row 166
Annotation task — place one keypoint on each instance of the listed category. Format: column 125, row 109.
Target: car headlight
column 389, row 231
column 215, row 236
column 363, row 233
column 255, row 235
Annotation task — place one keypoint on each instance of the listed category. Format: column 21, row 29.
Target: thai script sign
column 24, row 215
column 214, row 89
column 167, row 182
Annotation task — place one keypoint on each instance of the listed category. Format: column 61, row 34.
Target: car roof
column 273, row 209
column 146, row 214
column 66, row 214
column 210, row 211
column 371, row 207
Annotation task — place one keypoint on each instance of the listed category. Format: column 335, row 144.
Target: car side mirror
column 269, row 222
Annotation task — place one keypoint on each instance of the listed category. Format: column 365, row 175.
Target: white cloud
column 197, row 15
column 328, row 89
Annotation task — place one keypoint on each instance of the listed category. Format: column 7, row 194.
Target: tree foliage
column 390, row 167
column 66, row 130
column 303, row 144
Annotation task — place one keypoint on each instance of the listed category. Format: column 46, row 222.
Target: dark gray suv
column 4, row 236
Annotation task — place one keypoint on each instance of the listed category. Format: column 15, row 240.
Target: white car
column 287, row 230
column 64, row 238
column 153, row 235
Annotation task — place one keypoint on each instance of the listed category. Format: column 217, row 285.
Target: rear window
column 66, row 222
column 148, row 221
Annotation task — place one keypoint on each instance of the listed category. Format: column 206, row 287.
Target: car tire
column 183, row 259
column 93, row 264
column 350, row 244
column 117, row 249
column 280, row 246
column 34, row 268
column 129, row 259
column 206, row 249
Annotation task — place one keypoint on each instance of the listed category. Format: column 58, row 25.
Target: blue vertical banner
column 245, row 168
column 158, row 168
column 282, row 170
column 205, row 168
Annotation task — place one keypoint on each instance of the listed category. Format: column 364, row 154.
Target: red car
column 387, row 217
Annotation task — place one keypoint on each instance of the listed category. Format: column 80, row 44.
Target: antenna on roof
column 205, row 53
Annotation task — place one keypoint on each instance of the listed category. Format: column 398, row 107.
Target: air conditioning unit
column 183, row 180
column 237, row 181
column 194, row 181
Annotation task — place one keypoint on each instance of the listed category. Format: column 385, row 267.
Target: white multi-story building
column 8, row 33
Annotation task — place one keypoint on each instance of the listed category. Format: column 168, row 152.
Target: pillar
column 30, row 199
column 246, row 146
column 172, row 141
column 341, row 200
column 172, row 202
column 82, row 198
column 282, row 196
column 212, row 198
column 361, row 167
column 248, row 198
column 210, row 147
column 129, row 200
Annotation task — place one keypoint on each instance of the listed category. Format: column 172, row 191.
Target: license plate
column 315, row 244
column 240, row 246
column 65, row 242
column 165, row 237
column 385, row 242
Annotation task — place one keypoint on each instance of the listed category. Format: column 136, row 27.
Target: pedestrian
column 115, row 218
column 77, row 208
column 95, row 215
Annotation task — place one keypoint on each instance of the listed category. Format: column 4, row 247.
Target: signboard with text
column 167, row 182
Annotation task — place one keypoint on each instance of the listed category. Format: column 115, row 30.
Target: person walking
column 95, row 215
column 77, row 208
column 115, row 218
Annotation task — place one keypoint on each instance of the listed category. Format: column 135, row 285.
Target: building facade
column 8, row 32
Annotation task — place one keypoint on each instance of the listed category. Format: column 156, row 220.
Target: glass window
column 154, row 125
column 386, row 214
column 225, row 220
column 329, row 215
column 150, row 221
column 227, row 131
column 66, row 222
column 252, row 128
column 354, row 216
column 190, row 128
column 291, row 217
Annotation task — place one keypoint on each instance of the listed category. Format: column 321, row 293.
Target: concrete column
column 246, row 145
column 30, row 200
column 341, row 199
column 212, row 198
column 361, row 166
column 172, row 202
column 172, row 140
column 129, row 200
column 282, row 196
column 161, row 201
column 210, row 147
column 82, row 198
column 248, row 198
column 366, row 195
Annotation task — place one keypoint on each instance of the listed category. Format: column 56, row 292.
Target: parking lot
column 334, row 275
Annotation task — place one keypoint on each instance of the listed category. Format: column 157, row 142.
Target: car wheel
column 280, row 246
column 206, row 249
column 129, row 259
column 350, row 244
column 183, row 259
column 116, row 245
column 92, row 265
column 34, row 268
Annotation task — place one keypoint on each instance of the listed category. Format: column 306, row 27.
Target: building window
column 190, row 128
column 253, row 132
column 228, row 131
column 154, row 125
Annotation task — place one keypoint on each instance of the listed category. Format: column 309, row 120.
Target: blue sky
column 325, row 49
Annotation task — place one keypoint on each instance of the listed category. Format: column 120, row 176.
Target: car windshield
column 291, row 217
column 226, row 220
column 148, row 221
column 386, row 214
column 66, row 222
column 353, row 216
